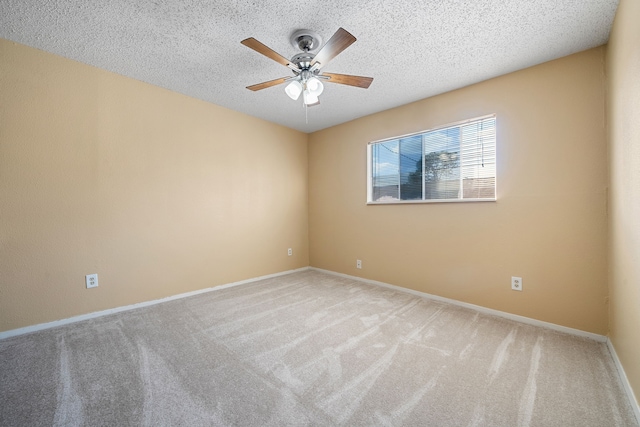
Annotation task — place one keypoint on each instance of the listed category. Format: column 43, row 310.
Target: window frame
column 422, row 201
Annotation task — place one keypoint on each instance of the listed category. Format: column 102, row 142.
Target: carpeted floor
column 307, row 349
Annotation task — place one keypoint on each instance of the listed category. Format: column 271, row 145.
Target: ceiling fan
column 307, row 67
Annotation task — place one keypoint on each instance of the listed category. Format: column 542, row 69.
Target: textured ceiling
column 412, row 49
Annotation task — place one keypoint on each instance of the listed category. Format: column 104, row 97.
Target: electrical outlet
column 289, row 251
column 516, row 283
column 91, row 280
column 358, row 263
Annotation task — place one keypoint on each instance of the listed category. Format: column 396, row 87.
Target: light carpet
column 307, row 349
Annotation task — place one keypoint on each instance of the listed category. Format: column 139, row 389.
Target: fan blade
column 268, row 52
column 341, row 40
column 346, row 79
column 270, row 83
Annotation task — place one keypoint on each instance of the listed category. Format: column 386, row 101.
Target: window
column 452, row 163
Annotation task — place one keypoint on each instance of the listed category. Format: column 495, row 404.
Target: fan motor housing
column 302, row 60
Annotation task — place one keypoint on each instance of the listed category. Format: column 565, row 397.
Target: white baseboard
column 74, row 319
column 522, row 319
column 624, row 380
column 490, row 311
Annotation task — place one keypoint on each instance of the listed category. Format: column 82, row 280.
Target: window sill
column 417, row 202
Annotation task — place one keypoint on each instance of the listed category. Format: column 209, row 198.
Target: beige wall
column 623, row 114
column 548, row 225
column 162, row 194
column 156, row 192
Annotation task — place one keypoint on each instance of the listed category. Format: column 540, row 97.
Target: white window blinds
column 451, row 163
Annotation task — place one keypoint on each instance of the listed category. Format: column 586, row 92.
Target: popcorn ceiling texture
column 412, row 49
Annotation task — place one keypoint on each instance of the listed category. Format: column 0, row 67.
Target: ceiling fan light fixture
column 315, row 86
column 294, row 89
column 307, row 66
column 310, row 98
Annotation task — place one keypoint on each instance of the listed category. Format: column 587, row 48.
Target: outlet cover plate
column 91, row 280
column 516, row 283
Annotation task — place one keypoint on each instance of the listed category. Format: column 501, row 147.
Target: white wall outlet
column 289, row 251
column 516, row 283
column 358, row 263
column 91, row 280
